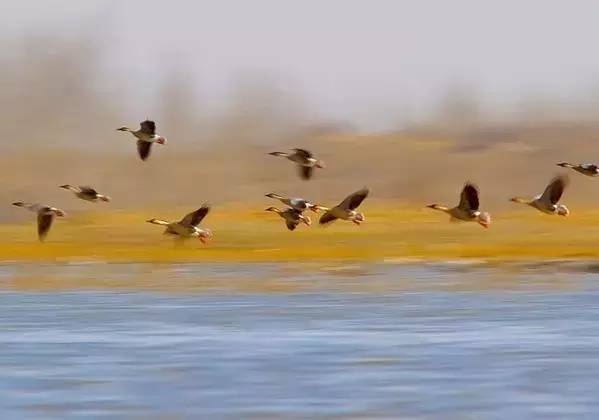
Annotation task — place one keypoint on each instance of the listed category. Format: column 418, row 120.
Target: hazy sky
column 360, row 60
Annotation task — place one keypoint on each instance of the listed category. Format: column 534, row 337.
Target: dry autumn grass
column 248, row 234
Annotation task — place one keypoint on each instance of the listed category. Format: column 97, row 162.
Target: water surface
column 356, row 341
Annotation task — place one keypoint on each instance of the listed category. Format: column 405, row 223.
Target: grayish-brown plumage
column 304, row 159
column 86, row 193
column 346, row 210
column 468, row 208
column 188, row 226
column 146, row 136
column 45, row 216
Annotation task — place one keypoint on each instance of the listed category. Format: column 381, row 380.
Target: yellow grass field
column 245, row 233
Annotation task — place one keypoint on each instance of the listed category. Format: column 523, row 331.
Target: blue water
column 426, row 342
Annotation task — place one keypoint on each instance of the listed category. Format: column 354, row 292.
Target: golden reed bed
column 247, row 234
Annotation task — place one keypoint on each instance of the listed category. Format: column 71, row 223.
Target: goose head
column 161, row 140
column 320, row 164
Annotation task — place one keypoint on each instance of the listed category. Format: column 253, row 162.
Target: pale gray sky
column 358, row 60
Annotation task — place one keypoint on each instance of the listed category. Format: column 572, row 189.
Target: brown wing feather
column 306, row 154
column 327, row 218
column 148, row 127
column 555, row 189
column 306, row 172
column 144, row 148
column 88, row 190
column 44, row 222
column 291, row 224
column 354, row 200
column 194, row 218
column 469, row 197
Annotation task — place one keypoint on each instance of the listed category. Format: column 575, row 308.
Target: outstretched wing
column 354, row 200
column 327, row 218
column 194, row 218
column 44, row 222
column 144, row 148
column 305, row 171
column 469, row 198
column 88, row 190
column 555, row 189
column 305, row 154
column 148, row 127
column 291, row 224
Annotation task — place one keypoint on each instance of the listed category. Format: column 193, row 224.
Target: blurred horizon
column 409, row 98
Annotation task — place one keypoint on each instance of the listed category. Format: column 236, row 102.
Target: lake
column 287, row 341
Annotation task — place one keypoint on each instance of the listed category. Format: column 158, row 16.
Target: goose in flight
column 146, row 135
column 548, row 201
column 346, row 210
column 587, row 169
column 304, row 159
column 86, row 193
column 292, row 217
column 298, row 204
column 188, row 226
column 468, row 208
column 45, row 216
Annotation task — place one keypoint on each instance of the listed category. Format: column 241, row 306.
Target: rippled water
column 363, row 341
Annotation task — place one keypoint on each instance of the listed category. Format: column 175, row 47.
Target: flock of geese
column 468, row 208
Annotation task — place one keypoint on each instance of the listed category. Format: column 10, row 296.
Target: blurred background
column 409, row 98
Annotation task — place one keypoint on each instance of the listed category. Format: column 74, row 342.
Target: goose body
column 468, row 208
column 588, row 169
column 188, row 226
column 86, row 193
column 298, row 204
column 548, row 202
column 45, row 216
column 346, row 210
column 292, row 217
column 304, row 159
column 146, row 136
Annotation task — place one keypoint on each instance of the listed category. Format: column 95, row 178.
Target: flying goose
column 86, row 193
column 146, row 135
column 188, row 226
column 548, row 201
column 587, row 169
column 468, row 208
column 298, row 204
column 346, row 210
column 305, row 160
column 45, row 216
column 292, row 217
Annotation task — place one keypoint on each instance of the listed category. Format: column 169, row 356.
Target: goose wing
column 303, row 153
column 354, row 200
column 469, row 198
column 554, row 190
column 148, row 127
column 194, row 218
column 291, row 224
column 88, row 190
column 144, row 148
column 44, row 222
column 327, row 218
column 306, row 171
